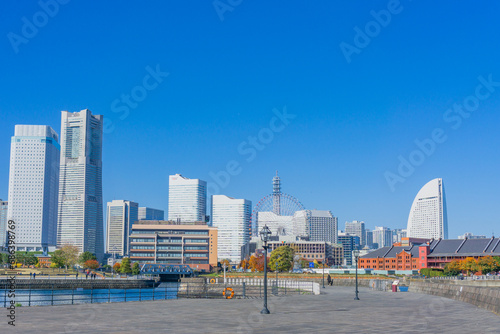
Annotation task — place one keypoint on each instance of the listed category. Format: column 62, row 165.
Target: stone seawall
column 63, row 284
column 483, row 297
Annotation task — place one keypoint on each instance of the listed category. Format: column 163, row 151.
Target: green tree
column 116, row 267
column 30, row 259
column 488, row 264
column 283, row 256
column 135, row 269
column 453, row 268
column 58, row 259
column 125, row 267
column 85, row 256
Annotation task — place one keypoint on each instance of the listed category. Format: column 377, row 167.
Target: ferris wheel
column 278, row 203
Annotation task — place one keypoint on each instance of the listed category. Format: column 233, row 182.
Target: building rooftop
column 442, row 247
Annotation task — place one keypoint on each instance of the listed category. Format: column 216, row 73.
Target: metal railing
column 87, row 296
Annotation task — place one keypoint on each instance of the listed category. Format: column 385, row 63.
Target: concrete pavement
column 334, row 311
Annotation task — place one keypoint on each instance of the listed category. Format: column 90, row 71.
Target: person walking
column 34, row 275
column 330, row 281
column 77, row 275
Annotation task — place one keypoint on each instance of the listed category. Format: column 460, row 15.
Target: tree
column 125, row 267
column 453, row 268
column 91, row 264
column 226, row 262
column 116, row 267
column 135, row 269
column 488, row 264
column 58, row 259
column 85, row 256
column 243, row 264
column 256, row 262
column 67, row 256
column 283, row 256
column 470, row 265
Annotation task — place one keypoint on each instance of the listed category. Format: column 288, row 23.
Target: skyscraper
column 382, row 236
column 315, row 225
column 232, row 218
column 428, row 217
column 80, row 220
column 146, row 213
column 3, row 223
column 120, row 217
column 187, row 199
column 33, row 187
column 356, row 228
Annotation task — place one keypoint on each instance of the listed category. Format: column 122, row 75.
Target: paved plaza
column 334, row 311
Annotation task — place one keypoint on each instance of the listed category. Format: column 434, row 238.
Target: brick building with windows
column 433, row 254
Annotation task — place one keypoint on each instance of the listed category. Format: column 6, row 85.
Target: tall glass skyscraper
column 146, row 213
column 33, row 187
column 80, row 216
column 232, row 218
column 428, row 217
column 121, row 215
column 187, row 199
column 4, row 206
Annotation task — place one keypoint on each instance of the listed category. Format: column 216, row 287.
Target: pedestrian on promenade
column 34, row 275
column 330, row 282
column 86, row 275
column 76, row 275
column 31, row 274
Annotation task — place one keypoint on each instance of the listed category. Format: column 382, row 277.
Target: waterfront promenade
column 334, row 311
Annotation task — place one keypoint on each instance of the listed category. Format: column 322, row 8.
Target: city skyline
column 197, row 97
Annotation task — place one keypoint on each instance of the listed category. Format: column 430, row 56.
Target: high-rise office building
column 232, row 218
column 187, row 199
column 4, row 206
column 315, row 225
column 382, row 236
column 428, row 217
column 146, row 213
column 369, row 238
column 80, row 215
column 356, row 228
column 120, row 217
column 349, row 244
column 33, row 187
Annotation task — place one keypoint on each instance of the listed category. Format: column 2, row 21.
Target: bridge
column 166, row 272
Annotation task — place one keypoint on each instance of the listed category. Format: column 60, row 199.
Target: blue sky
column 353, row 117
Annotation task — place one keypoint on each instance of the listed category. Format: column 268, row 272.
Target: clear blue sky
column 352, row 119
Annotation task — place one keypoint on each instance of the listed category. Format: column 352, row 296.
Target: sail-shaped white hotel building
column 428, row 217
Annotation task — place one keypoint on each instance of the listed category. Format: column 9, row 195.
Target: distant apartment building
column 349, row 244
column 398, row 235
column 356, row 228
column 4, row 206
column 315, row 225
column 146, row 213
column 80, row 214
column 320, row 251
column 33, row 187
column 469, row 235
column 170, row 242
column 187, row 199
column 121, row 215
column 382, row 236
column 232, row 218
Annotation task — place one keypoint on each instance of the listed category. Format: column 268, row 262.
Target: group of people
column 33, row 275
column 87, row 274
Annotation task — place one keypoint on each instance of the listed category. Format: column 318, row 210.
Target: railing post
column 244, row 289
column 72, row 296
column 52, row 296
column 140, row 296
column 5, row 297
column 125, row 296
column 29, row 298
column 154, row 293
column 165, row 292
column 91, row 295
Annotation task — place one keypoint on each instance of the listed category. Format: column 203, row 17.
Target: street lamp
column 324, row 273
column 356, row 256
column 265, row 233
